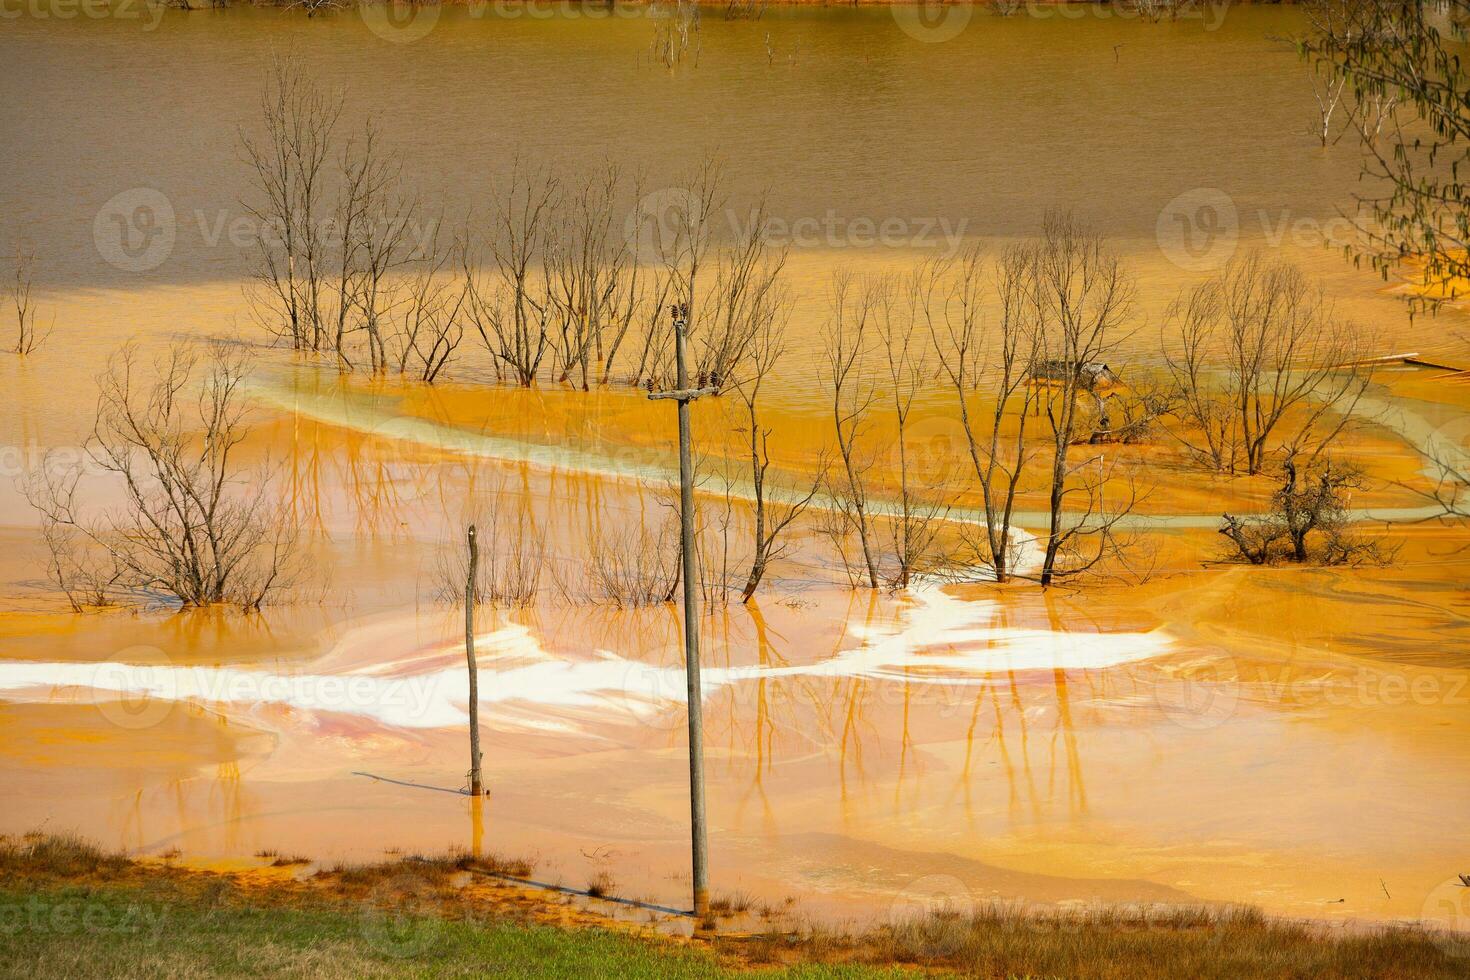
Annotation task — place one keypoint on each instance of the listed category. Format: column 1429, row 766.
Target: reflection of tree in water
column 760, row 719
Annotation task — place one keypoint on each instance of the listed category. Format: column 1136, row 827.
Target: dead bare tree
column 431, row 315
column 846, row 341
column 288, row 165
column 725, row 314
column 513, row 315
column 771, row 520
column 595, row 283
column 915, row 526
column 28, row 336
column 647, row 309
column 997, row 440
column 189, row 527
column 747, row 294
column 1083, row 297
column 683, row 236
column 314, row 7
column 675, row 32
column 1327, row 90
column 1291, row 368
column 375, row 221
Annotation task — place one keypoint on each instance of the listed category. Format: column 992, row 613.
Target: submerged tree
column 1288, row 368
column 771, row 519
column 914, row 528
column 289, row 167
column 1082, row 297
column 595, row 284
column 27, row 335
column 997, row 438
column 851, row 391
column 190, row 527
column 513, row 314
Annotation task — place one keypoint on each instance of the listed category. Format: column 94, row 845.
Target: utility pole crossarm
column 683, row 394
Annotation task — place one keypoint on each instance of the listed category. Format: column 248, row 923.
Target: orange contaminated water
column 1183, row 730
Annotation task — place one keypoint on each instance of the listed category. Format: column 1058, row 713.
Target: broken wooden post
column 476, row 786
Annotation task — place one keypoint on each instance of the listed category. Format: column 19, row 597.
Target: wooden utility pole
column 684, row 395
column 476, row 786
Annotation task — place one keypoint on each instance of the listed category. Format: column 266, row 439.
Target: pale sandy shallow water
column 1288, row 737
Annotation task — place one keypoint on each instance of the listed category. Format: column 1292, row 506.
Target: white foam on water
column 935, row 638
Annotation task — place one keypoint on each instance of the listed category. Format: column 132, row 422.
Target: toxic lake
column 1184, row 727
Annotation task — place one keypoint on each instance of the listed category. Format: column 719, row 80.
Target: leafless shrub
column 189, row 527
column 633, row 565
column 1308, row 521
column 512, row 562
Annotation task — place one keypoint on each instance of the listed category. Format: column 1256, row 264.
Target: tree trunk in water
column 1053, row 541
column 476, row 786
